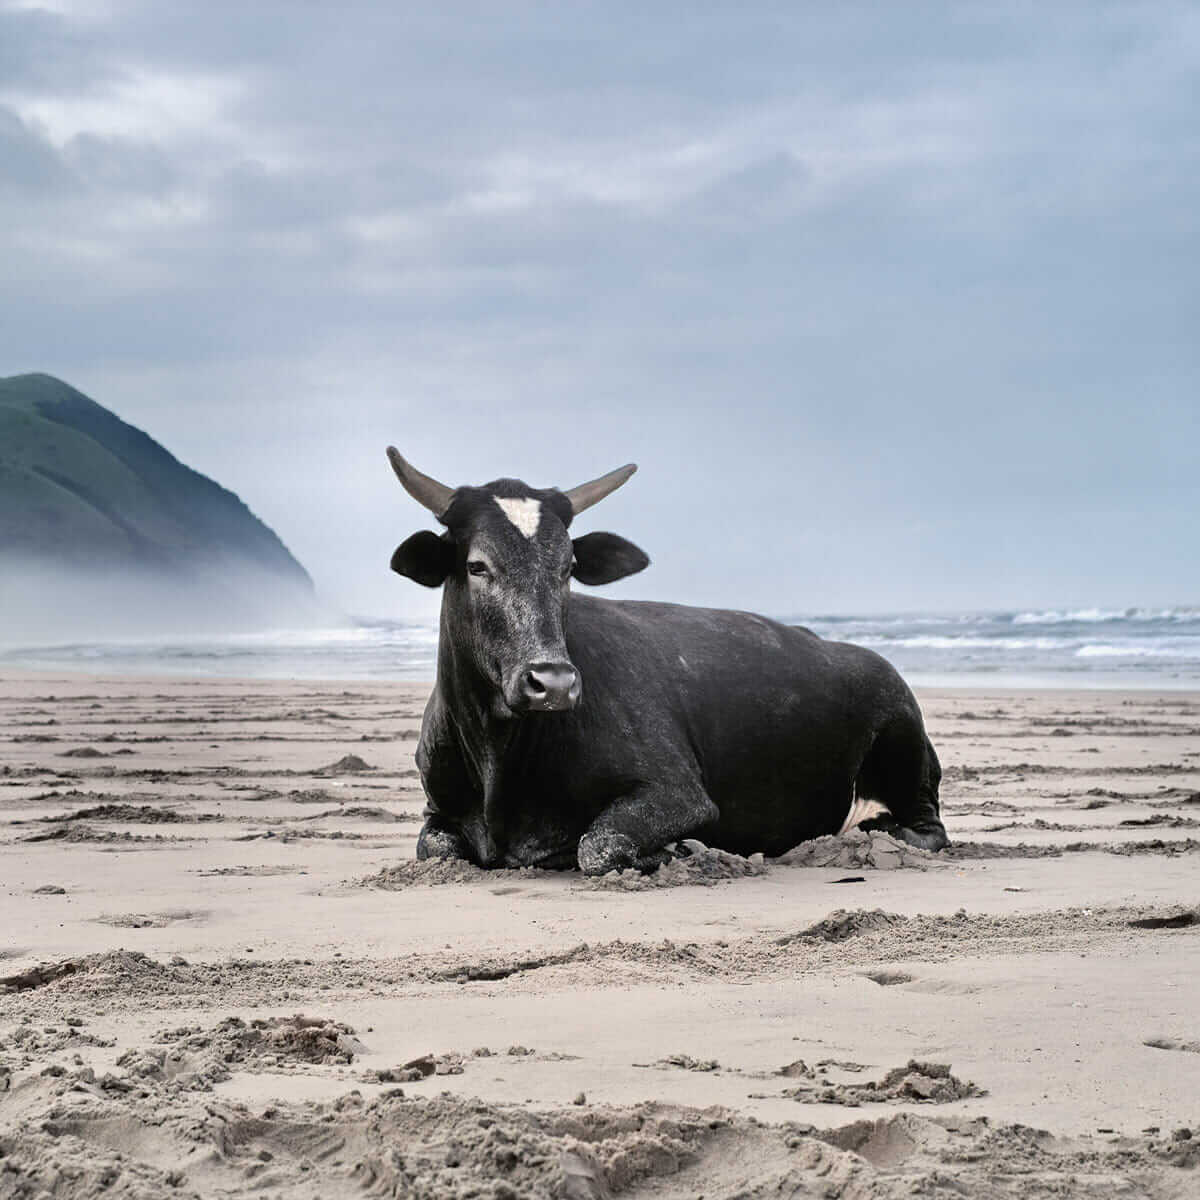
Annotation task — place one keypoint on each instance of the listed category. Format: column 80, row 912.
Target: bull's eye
column 475, row 567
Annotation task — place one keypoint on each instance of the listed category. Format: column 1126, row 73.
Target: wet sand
column 222, row 973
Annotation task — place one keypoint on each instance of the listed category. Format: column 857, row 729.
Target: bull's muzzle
column 548, row 687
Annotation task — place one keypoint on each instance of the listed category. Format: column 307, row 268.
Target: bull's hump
column 525, row 514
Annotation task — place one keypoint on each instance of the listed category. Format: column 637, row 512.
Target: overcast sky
column 897, row 306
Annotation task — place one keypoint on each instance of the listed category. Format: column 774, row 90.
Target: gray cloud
column 894, row 307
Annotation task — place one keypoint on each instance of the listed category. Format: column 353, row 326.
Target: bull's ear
column 605, row 557
column 424, row 557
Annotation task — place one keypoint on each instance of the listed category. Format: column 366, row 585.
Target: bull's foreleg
column 633, row 830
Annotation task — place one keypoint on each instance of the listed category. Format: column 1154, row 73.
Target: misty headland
column 103, row 532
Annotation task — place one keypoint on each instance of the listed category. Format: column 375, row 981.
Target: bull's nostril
column 550, row 685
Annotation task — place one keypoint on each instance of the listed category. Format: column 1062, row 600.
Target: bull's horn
column 422, row 488
column 587, row 494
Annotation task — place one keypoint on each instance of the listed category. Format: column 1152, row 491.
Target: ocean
column 1126, row 648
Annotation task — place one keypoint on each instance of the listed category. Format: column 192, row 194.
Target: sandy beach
column 222, row 973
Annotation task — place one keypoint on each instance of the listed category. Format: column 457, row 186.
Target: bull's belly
column 773, row 820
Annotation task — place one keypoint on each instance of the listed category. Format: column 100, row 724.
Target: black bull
column 568, row 729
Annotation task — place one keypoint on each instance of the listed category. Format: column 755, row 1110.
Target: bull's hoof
column 440, row 843
column 925, row 839
column 602, row 851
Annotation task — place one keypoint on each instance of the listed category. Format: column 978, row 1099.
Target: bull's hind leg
column 902, row 772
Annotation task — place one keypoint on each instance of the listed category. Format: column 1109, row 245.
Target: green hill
column 83, row 492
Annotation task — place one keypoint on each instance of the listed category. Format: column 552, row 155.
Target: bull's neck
column 485, row 736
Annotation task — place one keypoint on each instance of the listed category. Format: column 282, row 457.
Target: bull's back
column 777, row 719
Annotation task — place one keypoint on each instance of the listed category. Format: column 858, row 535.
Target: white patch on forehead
column 524, row 514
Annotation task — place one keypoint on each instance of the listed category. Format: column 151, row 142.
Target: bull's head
column 506, row 562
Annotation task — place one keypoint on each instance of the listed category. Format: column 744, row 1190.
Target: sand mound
column 272, row 1040
column 449, row 1147
column 693, row 865
column 37, row 976
column 860, row 849
column 143, row 814
column 193, row 1059
column 842, row 924
column 28, row 1044
column 115, row 967
column 348, row 764
column 82, row 832
column 923, row 1082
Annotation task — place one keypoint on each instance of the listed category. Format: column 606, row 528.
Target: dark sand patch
column 1183, row 920
column 1162, row 1043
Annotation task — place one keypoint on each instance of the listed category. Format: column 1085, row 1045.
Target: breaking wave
column 1128, row 647
column 1092, row 616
